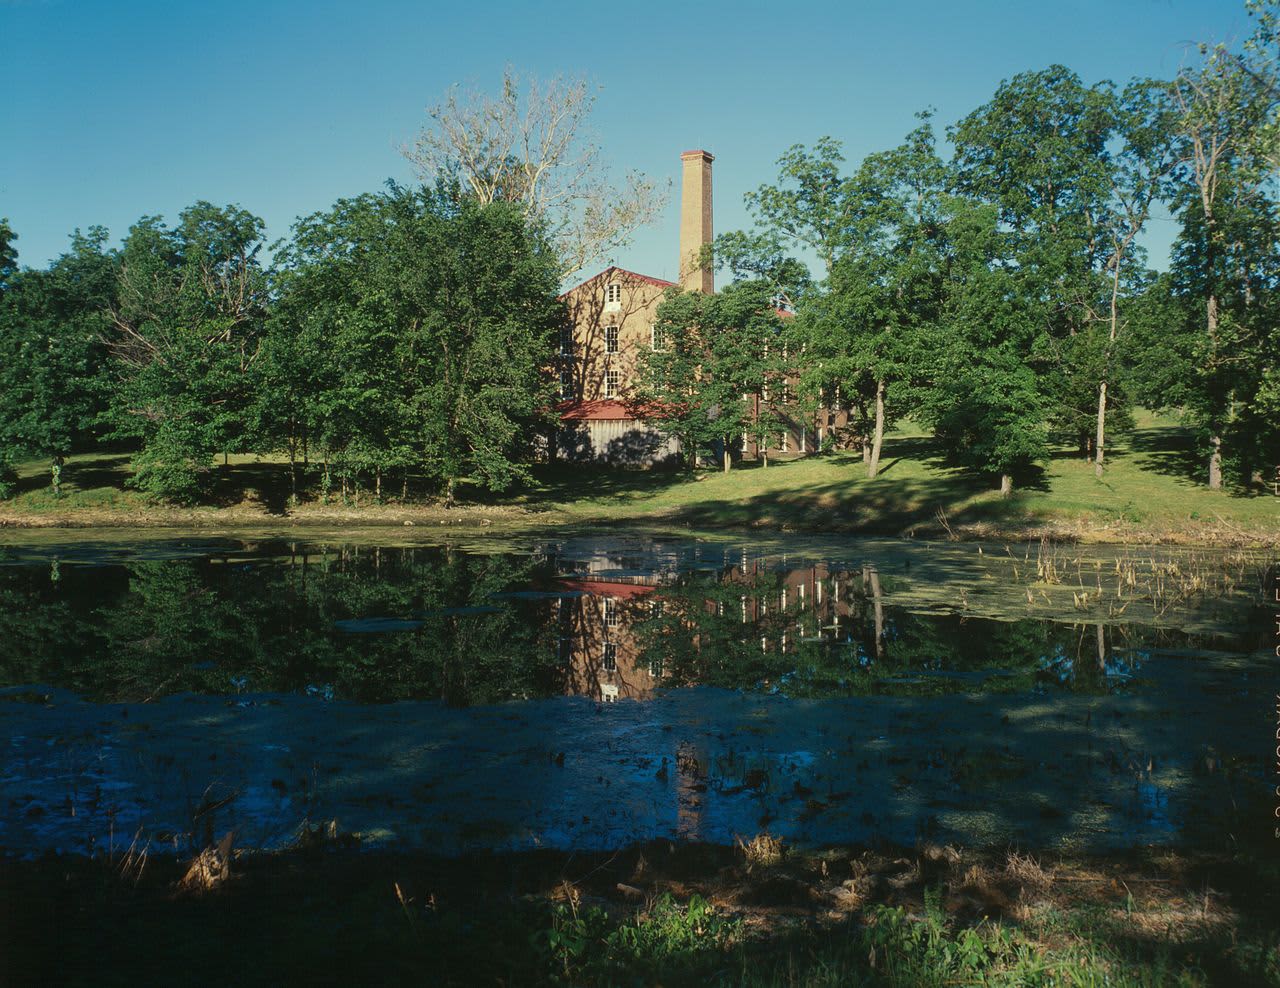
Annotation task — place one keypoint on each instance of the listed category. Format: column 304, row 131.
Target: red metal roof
column 608, row 408
column 593, row 411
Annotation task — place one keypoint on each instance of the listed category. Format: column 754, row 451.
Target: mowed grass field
column 1153, row 486
column 1152, row 490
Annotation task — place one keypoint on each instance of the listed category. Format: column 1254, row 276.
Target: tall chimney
column 695, row 221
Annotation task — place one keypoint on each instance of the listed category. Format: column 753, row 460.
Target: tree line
column 1002, row 295
column 999, row 293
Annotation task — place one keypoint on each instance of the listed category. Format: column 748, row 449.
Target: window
column 610, row 656
column 655, row 338
column 566, row 385
column 611, row 339
column 784, row 442
column 804, row 439
column 610, row 612
column 611, row 384
column 613, row 294
column 566, row 340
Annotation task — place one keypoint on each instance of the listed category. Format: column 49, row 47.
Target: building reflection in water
column 620, row 629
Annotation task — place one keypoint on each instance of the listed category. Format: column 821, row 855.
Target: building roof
column 593, row 411
column 615, row 270
column 608, row 588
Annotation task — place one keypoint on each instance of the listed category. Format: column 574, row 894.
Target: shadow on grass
column 1169, row 451
column 888, row 505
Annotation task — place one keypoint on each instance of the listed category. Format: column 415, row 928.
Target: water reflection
column 875, row 691
column 377, row 624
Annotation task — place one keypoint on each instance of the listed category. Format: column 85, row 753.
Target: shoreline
column 517, row 520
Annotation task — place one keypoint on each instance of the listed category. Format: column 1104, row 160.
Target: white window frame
column 609, row 660
column 612, row 383
column 611, row 342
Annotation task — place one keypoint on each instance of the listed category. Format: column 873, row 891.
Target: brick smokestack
column 695, row 221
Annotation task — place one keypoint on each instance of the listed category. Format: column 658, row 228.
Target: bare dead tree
column 530, row 144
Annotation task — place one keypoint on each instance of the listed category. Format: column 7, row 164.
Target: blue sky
column 115, row 109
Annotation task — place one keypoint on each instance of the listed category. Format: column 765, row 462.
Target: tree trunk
column 449, row 488
column 764, row 456
column 55, row 471
column 866, row 451
column 728, row 460
column 1102, row 648
column 877, row 441
column 1102, row 427
column 1215, row 457
column 1006, row 484
column 377, row 483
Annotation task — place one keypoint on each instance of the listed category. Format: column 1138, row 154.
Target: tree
column 411, row 333
column 985, row 401
column 1144, row 168
column 52, row 354
column 8, row 267
column 884, row 289
column 1226, row 121
column 8, row 253
column 717, row 372
column 185, row 334
column 1039, row 151
column 530, row 145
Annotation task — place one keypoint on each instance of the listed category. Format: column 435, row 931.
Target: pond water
column 592, row 691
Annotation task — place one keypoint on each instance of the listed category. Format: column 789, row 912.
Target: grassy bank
column 1152, row 491
column 660, row 914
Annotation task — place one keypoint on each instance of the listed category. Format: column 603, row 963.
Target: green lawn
column 1150, row 484
column 1152, row 490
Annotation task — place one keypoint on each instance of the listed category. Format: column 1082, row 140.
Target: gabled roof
column 615, row 270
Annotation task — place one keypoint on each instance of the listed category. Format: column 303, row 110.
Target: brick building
column 611, row 327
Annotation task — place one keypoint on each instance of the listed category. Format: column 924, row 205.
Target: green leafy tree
column 8, row 254
column 864, row 336
column 1144, row 169
column 8, row 268
column 985, row 401
column 411, row 333
column 718, row 371
column 1039, row 151
column 186, row 329
column 1225, row 255
column 52, row 354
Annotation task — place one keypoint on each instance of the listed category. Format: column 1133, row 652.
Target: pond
column 594, row 691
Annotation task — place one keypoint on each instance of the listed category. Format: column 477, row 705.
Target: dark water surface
column 591, row 692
